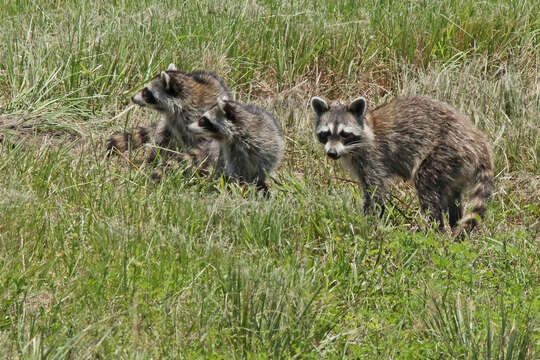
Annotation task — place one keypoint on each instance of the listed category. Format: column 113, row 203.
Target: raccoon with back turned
column 181, row 98
column 414, row 138
column 250, row 138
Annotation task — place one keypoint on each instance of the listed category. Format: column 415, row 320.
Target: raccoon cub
column 414, row 138
column 250, row 138
column 181, row 98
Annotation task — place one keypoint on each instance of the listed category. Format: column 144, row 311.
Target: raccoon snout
column 194, row 127
column 332, row 153
column 137, row 100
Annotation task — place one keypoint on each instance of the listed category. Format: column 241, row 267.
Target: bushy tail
column 479, row 195
column 129, row 140
column 201, row 156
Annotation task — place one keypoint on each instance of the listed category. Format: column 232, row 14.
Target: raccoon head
column 218, row 122
column 163, row 92
column 341, row 128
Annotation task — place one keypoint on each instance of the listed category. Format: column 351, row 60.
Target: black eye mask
column 206, row 124
column 148, row 97
column 323, row 136
column 349, row 137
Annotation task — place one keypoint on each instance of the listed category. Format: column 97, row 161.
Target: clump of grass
column 462, row 335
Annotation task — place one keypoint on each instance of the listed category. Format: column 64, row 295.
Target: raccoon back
column 407, row 130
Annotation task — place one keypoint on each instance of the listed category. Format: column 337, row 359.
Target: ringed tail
column 128, row 140
column 479, row 195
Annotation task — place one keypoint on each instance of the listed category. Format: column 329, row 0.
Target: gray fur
column 181, row 98
column 415, row 138
column 250, row 138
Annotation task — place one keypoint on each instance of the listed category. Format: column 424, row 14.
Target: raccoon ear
column 221, row 100
column 357, row 107
column 172, row 67
column 318, row 105
column 224, row 98
column 166, row 78
column 221, row 103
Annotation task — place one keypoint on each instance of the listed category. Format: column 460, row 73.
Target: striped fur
column 127, row 141
column 416, row 138
column 180, row 98
column 479, row 195
column 250, row 138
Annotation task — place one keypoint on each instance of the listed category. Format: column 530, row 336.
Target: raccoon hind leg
column 455, row 209
column 435, row 182
column 374, row 190
column 430, row 204
column 429, row 190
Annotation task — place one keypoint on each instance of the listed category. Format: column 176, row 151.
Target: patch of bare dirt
column 32, row 133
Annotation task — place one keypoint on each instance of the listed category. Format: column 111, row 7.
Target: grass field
column 97, row 261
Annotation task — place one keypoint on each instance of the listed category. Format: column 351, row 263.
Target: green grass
column 100, row 262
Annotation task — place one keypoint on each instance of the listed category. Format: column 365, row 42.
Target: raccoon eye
column 348, row 137
column 206, row 124
column 148, row 96
column 204, row 121
column 323, row 136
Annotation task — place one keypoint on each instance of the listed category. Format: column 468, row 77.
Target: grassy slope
column 97, row 261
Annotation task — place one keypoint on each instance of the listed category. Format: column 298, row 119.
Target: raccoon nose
column 332, row 153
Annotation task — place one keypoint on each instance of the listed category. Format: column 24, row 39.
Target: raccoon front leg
column 162, row 141
column 262, row 185
column 374, row 195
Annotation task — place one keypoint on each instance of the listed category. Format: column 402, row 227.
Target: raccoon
column 250, row 138
column 414, row 138
column 181, row 98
